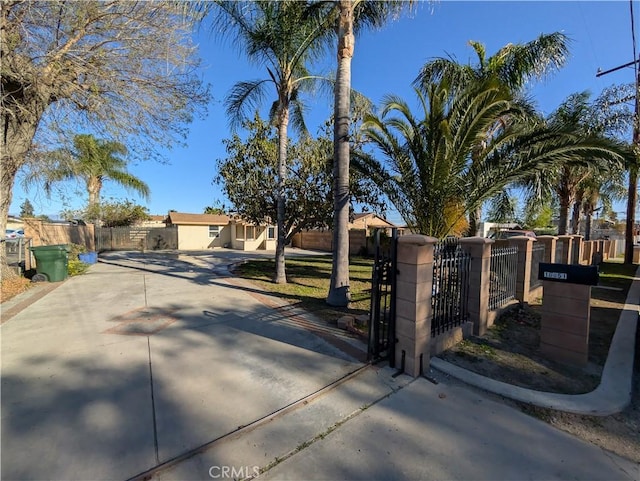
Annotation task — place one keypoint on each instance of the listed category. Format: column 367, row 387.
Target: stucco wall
column 196, row 237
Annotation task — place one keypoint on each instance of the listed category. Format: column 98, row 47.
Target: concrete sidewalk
column 141, row 359
column 435, row 432
column 379, row 427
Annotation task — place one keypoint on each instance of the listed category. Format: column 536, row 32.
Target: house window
column 239, row 231
column 271, row 232
column 251, row 232
column 214, row 231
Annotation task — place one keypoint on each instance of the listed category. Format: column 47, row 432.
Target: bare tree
column 126, row 70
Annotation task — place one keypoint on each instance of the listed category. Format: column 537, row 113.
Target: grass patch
column 308, row 283
column 617, row 278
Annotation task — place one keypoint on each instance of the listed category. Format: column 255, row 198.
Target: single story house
column 153, row 221
column 369, row 222
column 201, row 231
column 208, row 231
column 248, row 236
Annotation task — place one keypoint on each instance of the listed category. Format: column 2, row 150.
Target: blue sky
column 387, row 61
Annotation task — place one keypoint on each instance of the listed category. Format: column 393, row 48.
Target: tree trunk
column 587, row 224
column 280, row 274
column 474, row 221
column 631, row 209
column 94, row 186
column 339, row 293
column 564, row 216
column 575, row 217
column 17, row 136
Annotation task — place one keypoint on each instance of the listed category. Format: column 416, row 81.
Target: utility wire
column 633, row 38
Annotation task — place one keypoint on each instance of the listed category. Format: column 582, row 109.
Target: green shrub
column 76, row 267
column 76, row 249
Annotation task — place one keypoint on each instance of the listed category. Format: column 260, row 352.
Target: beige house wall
column 196, row 237
column 249, row 237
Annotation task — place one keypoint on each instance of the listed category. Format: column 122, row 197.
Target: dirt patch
column 12, row 286
column 510, row 352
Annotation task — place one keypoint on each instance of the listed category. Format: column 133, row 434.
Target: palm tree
column 283, row 38
column 432, row 171
column 513, row 65
column 601, row 190
column 346, row 18
column 94, row 161
column 601, row 118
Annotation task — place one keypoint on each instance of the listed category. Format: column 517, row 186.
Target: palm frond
column 243, row 98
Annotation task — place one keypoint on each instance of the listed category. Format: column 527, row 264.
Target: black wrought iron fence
column 537, row 256
column 382, row 312
column 502, row 276
column 449, row 301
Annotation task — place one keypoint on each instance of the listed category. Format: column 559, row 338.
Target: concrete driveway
column 148, row 356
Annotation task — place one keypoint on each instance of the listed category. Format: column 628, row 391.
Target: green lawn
column 308, row 283
column 617, row 276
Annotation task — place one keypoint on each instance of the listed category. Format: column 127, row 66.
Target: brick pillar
column 523, row 277
column 565, row 240
column 564, row 329
column 478, row 301
column 414, row 284
column 549, row 242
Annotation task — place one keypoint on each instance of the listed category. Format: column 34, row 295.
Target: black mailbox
column 569, row 273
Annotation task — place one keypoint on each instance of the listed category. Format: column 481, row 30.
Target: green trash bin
column 51, row 262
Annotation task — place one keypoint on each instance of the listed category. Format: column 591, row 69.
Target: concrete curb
column 611, row 396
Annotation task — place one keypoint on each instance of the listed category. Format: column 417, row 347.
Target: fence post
column 523, row 277
column 479, row 281
column 565, row 240
column 414, row 284
column 549, row 242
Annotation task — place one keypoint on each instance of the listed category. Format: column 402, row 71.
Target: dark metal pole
column 632, row 196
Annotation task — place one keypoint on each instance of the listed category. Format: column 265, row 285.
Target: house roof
column 157, row 218
column 377, row 220
column 179, row 218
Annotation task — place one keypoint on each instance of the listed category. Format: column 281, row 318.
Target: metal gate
column 450, row 290
column 382, row 314
column 136, row 238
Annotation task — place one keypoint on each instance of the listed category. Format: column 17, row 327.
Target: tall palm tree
column 344, row 19
column 432, row 171
column 94, row 161
column 283, row 38
column 514, row 65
